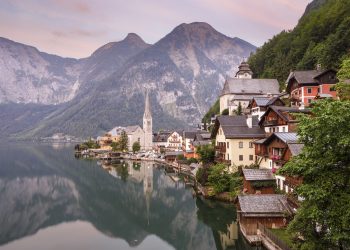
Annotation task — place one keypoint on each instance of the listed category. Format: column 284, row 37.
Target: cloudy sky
column 75, row 28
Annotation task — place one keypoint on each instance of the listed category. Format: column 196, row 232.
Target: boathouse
column 270, row 210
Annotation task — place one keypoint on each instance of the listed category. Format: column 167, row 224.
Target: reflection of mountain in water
column 41, row 187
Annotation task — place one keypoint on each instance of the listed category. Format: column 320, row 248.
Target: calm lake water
column 50, row 200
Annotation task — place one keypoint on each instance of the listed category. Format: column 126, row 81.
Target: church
column 136, row 133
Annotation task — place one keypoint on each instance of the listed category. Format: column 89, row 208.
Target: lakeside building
column 259, row 105
column 258, row 181
column 304, row 86
column 234, row 140
column 241, row 89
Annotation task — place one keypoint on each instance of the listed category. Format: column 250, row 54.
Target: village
column 253, row 136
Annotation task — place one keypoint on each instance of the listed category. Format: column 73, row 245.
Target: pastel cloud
column 76, row 28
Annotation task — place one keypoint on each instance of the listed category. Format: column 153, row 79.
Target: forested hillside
column 322, row 36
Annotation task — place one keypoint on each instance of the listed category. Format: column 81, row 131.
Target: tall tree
column 323, row 219
column 343, row 87
column 136, row 147
column 123, row 141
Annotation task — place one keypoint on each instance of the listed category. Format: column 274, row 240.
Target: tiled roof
column 258, row 174
column 287, row 137
column 250, row 86
column 264, row 205
column 190, row 134
column 295, row 148
column 236, row 127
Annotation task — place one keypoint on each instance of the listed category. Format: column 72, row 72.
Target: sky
column 76, row 28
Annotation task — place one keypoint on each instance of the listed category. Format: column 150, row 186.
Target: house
column 160, row 140
column 234, row 137
column 174, row 141
column 258, row 181
column 171, row 156
column 241, row 89
column 274, row 151
column 304, row 86
column 270, row 210
column 258, row 105
column 280, row 119
column 188, row 137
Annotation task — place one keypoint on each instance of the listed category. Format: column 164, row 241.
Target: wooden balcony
column 221, row 149
column 271, row 122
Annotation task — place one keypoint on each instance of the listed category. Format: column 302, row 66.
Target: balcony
column 276, row 157
column 221, row 149
column 273, row 122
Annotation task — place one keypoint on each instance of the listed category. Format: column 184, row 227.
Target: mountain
column 30, row 76
column 184, row 72
column 322, row 36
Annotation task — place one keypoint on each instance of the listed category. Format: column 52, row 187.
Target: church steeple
column 147, row 124
column 244, row 71
column 147, row 113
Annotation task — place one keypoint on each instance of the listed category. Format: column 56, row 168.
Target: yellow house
column 234, row 137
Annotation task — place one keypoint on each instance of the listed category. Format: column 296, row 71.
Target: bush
column 223, row 181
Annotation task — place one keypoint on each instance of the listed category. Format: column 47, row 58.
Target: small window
column 228, row 156
column 241, row 157
column 251, row 157
column 240, row 144
column 228, row 145
column 309, row 90
column 277, row 129
column 250, row 144
column 284, row 129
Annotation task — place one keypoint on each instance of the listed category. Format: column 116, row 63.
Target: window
column 228, row 145
column 241, row 157
column 251, row 157
column 250, row 144
column 228, row 156
column 138, row 139
column 309, row 90
column 284, row 129
column 277, row 129
column 240, row 144
column 309, row 101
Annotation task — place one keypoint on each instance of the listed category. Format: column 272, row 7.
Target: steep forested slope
column 322, row 36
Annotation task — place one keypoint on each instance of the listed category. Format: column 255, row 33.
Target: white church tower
column 147, row 125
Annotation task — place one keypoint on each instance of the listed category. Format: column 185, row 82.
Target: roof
column 250, row 86
column 306, row 76
column 287, row 137
column 173, row 153
column 117, row 130
column 201, row 143
column 190, row 134
column 236, row 127
column 272, row 205
column 295, row 148
column 258, row 174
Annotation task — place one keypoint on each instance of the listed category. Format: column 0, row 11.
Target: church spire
column 147, row 113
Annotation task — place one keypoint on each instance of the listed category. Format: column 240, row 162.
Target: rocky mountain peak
column 133, row 38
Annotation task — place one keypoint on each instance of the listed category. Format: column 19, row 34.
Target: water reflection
column 42, row 187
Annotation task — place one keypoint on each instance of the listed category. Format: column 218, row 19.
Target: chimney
column 318, row 67
column 249, row 121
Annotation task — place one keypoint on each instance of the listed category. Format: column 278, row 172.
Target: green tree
column 206, row 153
column 136, row 147
column 115, row 146
column 343, row 87
column 323, row 219
column 225, row 112
column 123, row 141
column 239, row 109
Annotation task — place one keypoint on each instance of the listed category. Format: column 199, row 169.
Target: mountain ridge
column 184, row 72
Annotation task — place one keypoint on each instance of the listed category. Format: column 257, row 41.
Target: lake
column 50, row 200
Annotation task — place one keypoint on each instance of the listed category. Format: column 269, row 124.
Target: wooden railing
column 267, row 233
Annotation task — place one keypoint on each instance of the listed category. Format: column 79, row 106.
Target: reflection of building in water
column 228, row 239
column 148, row 185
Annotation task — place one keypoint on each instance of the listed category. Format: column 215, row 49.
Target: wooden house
column 280, row 119
column 258, row 181
column 270, row 210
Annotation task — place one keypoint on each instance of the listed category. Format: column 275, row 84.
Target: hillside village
column 254, row 137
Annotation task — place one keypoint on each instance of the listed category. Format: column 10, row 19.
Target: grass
column 283, row 235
